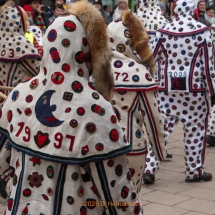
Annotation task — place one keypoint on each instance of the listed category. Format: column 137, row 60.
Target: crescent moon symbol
column 44, row 111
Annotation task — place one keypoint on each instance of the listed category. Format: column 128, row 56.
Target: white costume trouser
column 192, row 110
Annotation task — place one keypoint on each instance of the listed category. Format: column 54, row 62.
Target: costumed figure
column 122, row 5
column 183, row 50
column 150, row 13
column 19, row 58
column 60, row 138
column 134, row 98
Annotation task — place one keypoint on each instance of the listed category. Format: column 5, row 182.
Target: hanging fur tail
column 95, row 29
column 139, row 39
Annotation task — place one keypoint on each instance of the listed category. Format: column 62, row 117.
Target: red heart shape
column 41, row 139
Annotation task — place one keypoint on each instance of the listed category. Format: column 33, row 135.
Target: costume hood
column 128, row 40
column 150, row 13
column 13, row 45
column 58, row 115
column 183, row 23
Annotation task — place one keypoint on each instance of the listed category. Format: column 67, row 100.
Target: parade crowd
column 89, row 98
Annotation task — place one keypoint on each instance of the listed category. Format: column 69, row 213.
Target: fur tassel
column 139, row 39
column 95, row 29
column 7, row 4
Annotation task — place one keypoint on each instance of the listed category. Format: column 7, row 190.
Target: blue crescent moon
column 44, row 111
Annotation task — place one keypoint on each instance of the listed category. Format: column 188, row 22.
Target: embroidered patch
column 91, row 85
column 73, row 123
column 77, row 86
column 70, row 200
column 65, row 67
column 85, row 150
column 75, row 176
column 118, row 170
column 80, row 72
column 67, row 96
column 41, row 139
column 45, row 71
column 133, row 195
column 110, row 163
column 127, row 33
column 35, row 161
column 124, row 192
column 67, row 110
column 44, row 81
column 148, row 77
column 11, row 128
column 135, row 78
column 35, row 179
column 50, row 171
column 57, row 78
column 15, row 95
column 114, row 135
column 27, row 111
column 112, row 183
column 69, row 25
column 137, row 208
column 29, row 98
column 138, row 134
column 10, row 204
column 120, row 48
column 52, row 35
column 99, row 146
column 84, row 41
column 54, row 55
column 80, row 111
column 14, row 180
column 50, row 191
column 45, row 197
column 118, row 64
column 65, row 43
column 131, row 64
column 90, row 127
column 98, row 109
column 80, row 191
column 95, row 95
column 26, row 192
column 33, row 85
column 9, row 115
column 113, row 119
column 178, row 83
column 79, row 57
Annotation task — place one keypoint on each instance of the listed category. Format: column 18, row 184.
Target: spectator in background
column 38, row 11
column 123, row 5
column 209, row 15
column 108, row 12
column 199, row 12
column 98, row 5
column 57, row 11
column 163, row 10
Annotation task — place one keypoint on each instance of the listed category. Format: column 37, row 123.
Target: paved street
column 170, row 195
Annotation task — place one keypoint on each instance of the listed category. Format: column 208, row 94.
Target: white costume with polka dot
column 135, row 102
column 184, row 53
column 68, row 152
column 150, row 13
column 18, row 57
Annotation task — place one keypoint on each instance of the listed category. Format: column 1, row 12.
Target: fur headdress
column 5, row 5
column 139, row 39
column 95, row 29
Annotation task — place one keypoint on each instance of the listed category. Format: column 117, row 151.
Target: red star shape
column 35, row 161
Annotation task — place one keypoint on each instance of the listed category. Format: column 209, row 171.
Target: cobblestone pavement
column 170, row 195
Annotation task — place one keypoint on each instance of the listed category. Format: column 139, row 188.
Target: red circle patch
column 57, row 78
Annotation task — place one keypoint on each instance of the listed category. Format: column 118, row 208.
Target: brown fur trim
column 95, row 29
column 139, row 39
column 7, row 4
